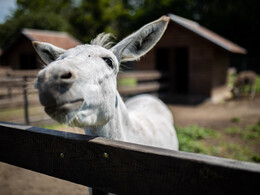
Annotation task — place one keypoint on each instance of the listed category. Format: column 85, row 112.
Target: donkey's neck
column 114, row 129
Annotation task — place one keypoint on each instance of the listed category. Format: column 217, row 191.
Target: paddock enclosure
column 123, row 168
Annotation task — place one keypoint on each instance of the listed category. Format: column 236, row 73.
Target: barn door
column 163, row 64
column 163, row 59
column 27, row 61
column 181, row 64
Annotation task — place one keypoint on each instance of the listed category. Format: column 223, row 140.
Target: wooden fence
column 17, row 85
column 123, row 168
column 142, row 82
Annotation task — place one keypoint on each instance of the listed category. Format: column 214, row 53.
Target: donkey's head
column 78, row 86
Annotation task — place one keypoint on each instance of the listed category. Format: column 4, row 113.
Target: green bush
column 235, row 120
column 257, row 84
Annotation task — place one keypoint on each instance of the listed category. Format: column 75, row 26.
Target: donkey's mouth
column 64, row 108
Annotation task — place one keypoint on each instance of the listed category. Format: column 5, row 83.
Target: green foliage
column 85, row 19
column 54, row 126
column 233, row 130
column 189, row 139
column 211, row 142
column 251, row 132
column 36, row 14
column 257, row 84
column 127, row 82
column 196, row 132
column 250, row 135
column 147, row 10
column 93, row 17
column 236, row 151
column 235, row 119
column 231, row 79
column 256, row 158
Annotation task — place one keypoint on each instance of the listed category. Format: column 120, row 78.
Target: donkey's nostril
column 67, row 75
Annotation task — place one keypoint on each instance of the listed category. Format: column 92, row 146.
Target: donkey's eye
column 109, row 62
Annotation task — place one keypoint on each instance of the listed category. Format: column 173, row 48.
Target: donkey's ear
column 47, row 52
column 139, row 43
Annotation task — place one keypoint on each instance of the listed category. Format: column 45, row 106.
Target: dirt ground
column 14, row 180
column 218, row 116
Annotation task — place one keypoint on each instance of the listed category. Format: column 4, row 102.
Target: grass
column 235, row 142
column 54, row 126
column 250, row 133
column 191, row 139
column 14, row 113
column 127, row 82
column 236, row 151
column 11, row 113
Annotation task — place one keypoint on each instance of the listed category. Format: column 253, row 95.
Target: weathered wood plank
column 142, row 88
column 22, row 73
column 123, row 168
column 14, row 82
column 143, row 75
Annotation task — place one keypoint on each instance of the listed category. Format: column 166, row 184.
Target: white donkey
column 79, row 87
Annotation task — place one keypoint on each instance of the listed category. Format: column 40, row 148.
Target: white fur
column 78, row 87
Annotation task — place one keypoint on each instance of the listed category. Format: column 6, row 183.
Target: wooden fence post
column 9, row 92
column 26, row 109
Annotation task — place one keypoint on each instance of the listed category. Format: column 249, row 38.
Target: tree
column 236, row 20
column 84, row 20
column 93, row 17
column 37, row 14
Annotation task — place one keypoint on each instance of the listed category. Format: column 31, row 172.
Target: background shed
column 21, row 54
column 195, row 58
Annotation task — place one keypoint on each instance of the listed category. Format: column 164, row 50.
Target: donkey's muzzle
column 54, row 86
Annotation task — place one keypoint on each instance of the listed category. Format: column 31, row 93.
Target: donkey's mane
column 103, row 40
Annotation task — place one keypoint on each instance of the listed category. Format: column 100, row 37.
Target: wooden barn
column 21, row 55
column 195, row 58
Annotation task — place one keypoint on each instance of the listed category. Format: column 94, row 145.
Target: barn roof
column 59, row 39
column 207, row 34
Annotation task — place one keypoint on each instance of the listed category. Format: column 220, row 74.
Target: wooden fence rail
column 17, row 83
column 146, row 82
column 123, row 168
column 12, row 82
column 16, row 87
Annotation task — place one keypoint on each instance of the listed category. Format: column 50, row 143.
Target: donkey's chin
column 66, row 112
column 90, row 117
